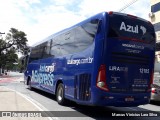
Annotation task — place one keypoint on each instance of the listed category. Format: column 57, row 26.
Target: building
column 155, row 19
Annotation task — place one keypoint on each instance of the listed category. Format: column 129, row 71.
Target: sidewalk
column 12, row 76
column 13, row 101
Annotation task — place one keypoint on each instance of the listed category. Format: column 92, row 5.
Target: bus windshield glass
column 130, row 27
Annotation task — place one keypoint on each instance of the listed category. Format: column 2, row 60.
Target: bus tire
column 60, row 94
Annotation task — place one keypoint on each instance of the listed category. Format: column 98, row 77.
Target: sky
column 41, row 18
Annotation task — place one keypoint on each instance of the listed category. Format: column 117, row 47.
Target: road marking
column 35, row 103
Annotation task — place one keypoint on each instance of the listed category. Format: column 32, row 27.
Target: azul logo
column 133, row 29
column 143, row 29
column 129, row 28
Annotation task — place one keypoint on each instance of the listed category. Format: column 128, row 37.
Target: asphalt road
column 48, row 103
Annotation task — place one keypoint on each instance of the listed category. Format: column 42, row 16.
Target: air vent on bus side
column 130, row 58
column 82, row 86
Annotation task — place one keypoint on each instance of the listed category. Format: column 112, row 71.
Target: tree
column 15, row 41
column 8, row 59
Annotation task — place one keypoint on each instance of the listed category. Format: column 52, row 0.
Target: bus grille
column 130, row 58
column 82, row 86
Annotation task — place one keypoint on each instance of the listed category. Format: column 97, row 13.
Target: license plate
column 129, row 99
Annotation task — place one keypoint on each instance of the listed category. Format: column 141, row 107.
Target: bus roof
column 99, row 15
column 69, row 28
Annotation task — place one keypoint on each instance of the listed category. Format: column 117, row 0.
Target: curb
column 35, row 103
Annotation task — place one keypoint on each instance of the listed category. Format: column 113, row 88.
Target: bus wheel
column 60, row 94
column 29, row 84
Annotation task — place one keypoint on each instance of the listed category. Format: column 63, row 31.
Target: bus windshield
column 130, row 27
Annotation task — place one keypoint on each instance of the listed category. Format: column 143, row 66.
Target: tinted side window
column 68, row 42
column 85, row 35
column 56, row 46
column 75, row 40
column 63, row 44
column 40, row 51
column 36, row 53
column 45, row 49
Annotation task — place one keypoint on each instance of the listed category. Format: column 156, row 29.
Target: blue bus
column 106, row 60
